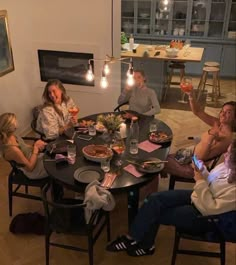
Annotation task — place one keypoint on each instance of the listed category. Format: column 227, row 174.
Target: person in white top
column 141, row 98
column 54, row 118
column 214, row 193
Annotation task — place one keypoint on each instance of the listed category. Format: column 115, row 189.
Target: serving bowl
column 171, row 52
column 97, row 153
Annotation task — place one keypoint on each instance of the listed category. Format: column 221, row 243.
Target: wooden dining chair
column 123, row 106
column 67, row 217
column 223, row 229
column 19, row 184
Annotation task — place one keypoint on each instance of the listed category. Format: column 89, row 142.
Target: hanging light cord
column 112, row 14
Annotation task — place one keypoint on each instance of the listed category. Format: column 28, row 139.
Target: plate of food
column 159, row 137
column 150, row 165
column 97, row 153
column 88, row 174
column 100, row 127
column 57, row 147
column 82, row 126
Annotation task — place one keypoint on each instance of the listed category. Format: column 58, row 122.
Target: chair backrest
column 121, row 107
column 35, row 113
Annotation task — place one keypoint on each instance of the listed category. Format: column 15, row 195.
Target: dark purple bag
column 28, row 223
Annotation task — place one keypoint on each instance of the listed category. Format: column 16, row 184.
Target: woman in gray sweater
column 141, row 98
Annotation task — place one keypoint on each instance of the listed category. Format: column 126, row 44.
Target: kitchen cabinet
column 211, row 23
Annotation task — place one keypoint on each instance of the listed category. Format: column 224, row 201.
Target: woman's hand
column 214, row 131
column 39, row 145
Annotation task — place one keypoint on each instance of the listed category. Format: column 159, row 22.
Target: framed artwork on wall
column 6, row 57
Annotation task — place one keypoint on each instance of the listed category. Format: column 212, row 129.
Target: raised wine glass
column 186, row 87
column 118, row 147
column 74, row 114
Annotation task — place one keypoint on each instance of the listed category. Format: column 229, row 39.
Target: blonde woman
column 28, row 158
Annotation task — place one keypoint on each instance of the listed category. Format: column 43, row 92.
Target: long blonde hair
column 7, row 126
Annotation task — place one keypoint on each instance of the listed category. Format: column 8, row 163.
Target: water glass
column 153, row 126
column 71, row 153
column 105, row 165
column 133, row 146
column 92, row 130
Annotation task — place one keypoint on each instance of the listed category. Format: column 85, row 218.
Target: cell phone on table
column 196, row 161
column 157, row 53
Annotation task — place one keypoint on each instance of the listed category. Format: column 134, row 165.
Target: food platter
column 88, row 174
column 159, row 137
column 100, row 127
column 149, row 165
column 57, row 147
column 97, row 153
column 128, row 115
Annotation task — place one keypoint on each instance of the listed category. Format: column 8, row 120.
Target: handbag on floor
column 28, row 223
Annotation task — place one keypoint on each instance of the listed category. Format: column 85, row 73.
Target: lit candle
column 123, row 130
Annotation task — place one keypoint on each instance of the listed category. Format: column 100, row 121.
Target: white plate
column 126, row 46
column 88, row 174
column 152, row 169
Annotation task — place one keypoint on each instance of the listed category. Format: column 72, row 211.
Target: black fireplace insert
column 68, row 67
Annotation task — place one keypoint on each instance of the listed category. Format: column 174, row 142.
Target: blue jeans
column 169, row 208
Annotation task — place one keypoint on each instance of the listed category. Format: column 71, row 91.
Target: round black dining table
column 63, row 174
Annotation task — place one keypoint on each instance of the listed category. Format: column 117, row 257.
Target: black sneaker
column 137, row 251
column 122, row 243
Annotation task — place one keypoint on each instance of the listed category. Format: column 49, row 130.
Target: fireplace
column 68, row 67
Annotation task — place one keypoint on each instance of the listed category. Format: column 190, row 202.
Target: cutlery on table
column 147, row 162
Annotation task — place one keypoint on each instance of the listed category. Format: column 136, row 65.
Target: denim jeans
column 169, row 208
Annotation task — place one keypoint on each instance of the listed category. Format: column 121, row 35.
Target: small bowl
column 172, row 52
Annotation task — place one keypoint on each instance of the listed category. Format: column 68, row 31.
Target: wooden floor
column 29, row 249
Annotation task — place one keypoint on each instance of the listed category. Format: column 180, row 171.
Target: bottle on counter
column 134, row 136
column 131, row 42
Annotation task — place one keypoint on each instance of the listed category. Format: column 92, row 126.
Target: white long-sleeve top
column 214, row 195
column 49, row 121
column 142, row 100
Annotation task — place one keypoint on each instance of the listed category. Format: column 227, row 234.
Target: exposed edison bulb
column 104, row 82
column 165, row 2
column 106, row 69
column 130, row 80
column 89, row 75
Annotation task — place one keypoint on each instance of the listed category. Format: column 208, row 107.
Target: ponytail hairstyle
column 7, row 126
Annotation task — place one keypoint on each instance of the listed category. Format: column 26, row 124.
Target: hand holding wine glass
column 74, row 114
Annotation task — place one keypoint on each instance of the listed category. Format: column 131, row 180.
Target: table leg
column 133, row 201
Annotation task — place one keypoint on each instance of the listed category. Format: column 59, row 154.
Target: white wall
column 73, row 24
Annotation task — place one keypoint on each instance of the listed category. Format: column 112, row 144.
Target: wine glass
column 118, row 147
column 186, row 87
column 74, row 114
column 187, row 45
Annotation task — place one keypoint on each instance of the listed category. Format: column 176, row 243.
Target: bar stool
column 212, row 64
column 215, row 82
column 172, row 67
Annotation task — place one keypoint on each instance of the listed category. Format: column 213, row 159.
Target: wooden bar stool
column 215, row 82
column 180, row 66
column 212, row 64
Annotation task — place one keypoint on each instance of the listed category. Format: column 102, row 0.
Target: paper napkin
column 132, row 170
column 148, row 146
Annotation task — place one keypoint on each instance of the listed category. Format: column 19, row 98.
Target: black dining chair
column 67, row 217
column 19, row 183
column 123, row 106
column 223, row 229
column 174, row 178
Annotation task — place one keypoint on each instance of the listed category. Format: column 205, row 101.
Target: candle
column 123, row 130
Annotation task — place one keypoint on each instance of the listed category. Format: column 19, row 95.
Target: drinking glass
column 74, row 114
column 118, row 147
column 186, row 86
column 71, row 153
column 92, row 130
column 105, row 164
column 153, row 126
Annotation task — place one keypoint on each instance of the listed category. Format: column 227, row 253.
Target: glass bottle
column 134, row 136
column 131, row 42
